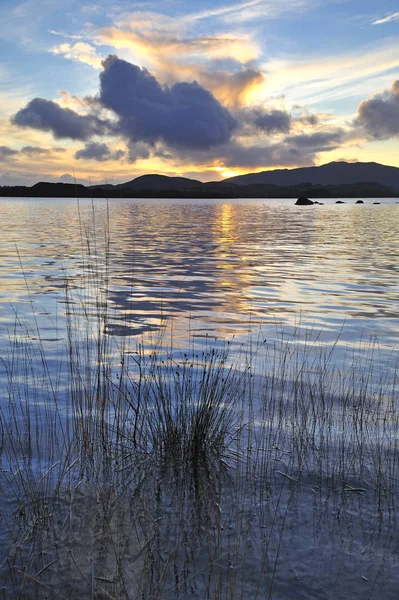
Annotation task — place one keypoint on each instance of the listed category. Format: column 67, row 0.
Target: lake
column 225, row 266
column 282, row 319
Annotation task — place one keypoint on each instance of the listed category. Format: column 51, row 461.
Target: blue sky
column 278, row 84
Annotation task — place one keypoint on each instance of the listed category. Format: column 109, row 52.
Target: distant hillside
column 335, row 180
column 334, row 173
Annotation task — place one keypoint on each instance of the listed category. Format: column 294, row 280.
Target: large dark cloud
column 99, row 152
column 46, row 115
column 379, row 116
column 185, row 115
column 7, row 153
column 183, row 121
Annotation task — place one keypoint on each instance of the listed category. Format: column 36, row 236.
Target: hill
column 334, row 180
column 159, row 182
column 334, row 173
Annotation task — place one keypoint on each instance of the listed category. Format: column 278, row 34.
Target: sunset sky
column 108, row 90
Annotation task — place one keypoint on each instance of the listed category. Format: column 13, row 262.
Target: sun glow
column 227, row 172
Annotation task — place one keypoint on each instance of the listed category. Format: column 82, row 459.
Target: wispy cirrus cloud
column 312, row 80
column 160, row 47
column 392, row 17
column 242, row 12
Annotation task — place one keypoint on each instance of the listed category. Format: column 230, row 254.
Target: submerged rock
column 302, row 201
column 340, row 202
column 376, row 202
column 359, row 202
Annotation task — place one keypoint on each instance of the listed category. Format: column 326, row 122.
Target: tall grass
column 131, row 471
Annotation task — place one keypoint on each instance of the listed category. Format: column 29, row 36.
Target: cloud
column 66, row 35
column 313, row 80
column 393, row 17
column 7, row 153
column 320, row 141
column 99, row 152
column 168, row 49
column 274, row 155
column 308, row 119
column 251, row 10
column 263, row 121
column 293, row 150
column 273, row 121
column 160, row 47
column 46, row 115
column 67, row 178
column 250, row 156
column 232, row 89
column 140, row 150
column 34, row 151
column 79, row 52
column 379, row 116
column 185, row 115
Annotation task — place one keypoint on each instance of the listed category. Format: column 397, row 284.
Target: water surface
column 225, row 265
column 318, row 518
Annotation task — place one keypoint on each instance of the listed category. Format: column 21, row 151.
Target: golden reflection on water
column 225, row 223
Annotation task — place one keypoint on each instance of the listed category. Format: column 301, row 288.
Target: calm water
column 218, row 267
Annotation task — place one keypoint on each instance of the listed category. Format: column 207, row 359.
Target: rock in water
column 359, row 202
column 302, row 201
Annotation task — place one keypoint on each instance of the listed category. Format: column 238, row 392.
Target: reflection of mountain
column 335, row 180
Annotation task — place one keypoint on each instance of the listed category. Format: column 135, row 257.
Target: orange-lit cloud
column 174, row 59
column 80, row 52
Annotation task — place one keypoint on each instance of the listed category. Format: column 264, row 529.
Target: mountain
column 334, row 180
column 334, row 173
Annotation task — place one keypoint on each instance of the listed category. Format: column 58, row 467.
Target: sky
column 106, row 91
